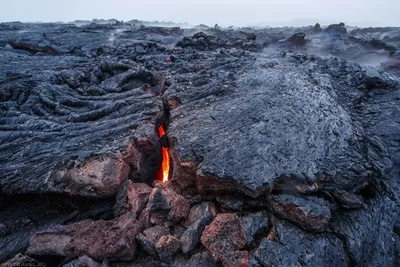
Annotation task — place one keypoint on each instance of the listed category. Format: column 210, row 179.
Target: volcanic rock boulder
column 180, row 206
column 317, row 28
column 157, row 207
column 198, row 211
column 132, row 197
column 191, row 237
column 96, row 239
column 165, row 203
column 166, row 247
column 337, row 29
column 224, row 238
column 297, row 39
column 150, row 237
column 95, row 177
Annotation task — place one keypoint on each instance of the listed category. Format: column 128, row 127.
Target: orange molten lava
column 166, row 160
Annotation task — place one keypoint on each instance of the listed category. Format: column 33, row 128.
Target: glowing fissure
column 166, row 159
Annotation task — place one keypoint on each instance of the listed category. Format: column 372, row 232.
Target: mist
column 224, row 12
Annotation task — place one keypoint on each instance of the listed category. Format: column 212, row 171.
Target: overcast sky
column 223, row 12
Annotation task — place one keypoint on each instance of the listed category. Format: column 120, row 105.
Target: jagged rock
column 180, row 206
column 100, row 176
column 132, row 197
column 198, row 259
column 297, row 39
column 348, row 200
column 311, row 213
column 253, row 224
column 97, row 239
column 158, row 206
column 299, row 248
column 149, row 238
column 166, row 247
column 317, row 28
column 224, row 235
column 230, row 203
column 83, row 261
column 337, row 28
column 199, row 211
column 191, row 237
column 165, row 204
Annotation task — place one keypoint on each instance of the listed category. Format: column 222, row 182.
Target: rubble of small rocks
column 283, row 143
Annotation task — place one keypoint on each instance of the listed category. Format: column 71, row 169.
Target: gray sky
column 223, row 12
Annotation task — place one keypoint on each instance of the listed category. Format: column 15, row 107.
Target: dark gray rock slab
column 311, row 213
column 97, row 239
column 191, row 237
column 248, row 125
column 198, row 211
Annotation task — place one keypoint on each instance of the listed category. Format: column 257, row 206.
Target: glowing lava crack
column 164, row 172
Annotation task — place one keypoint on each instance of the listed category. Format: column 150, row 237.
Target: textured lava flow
column 164, row 172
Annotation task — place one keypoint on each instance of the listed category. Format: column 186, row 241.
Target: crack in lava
column 166, row 158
